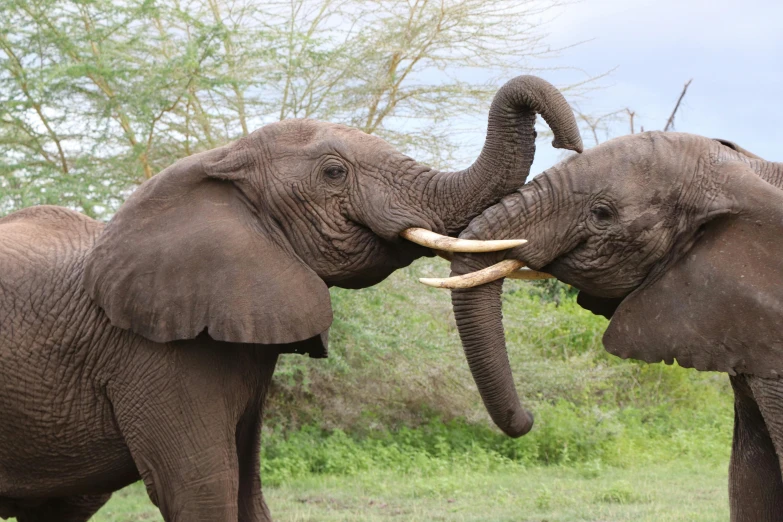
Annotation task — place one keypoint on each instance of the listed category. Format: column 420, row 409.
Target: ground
column 684, row 491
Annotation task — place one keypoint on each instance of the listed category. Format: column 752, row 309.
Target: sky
column 733, row 51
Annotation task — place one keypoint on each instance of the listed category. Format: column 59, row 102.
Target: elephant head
column 243, row 241
column 676, row 237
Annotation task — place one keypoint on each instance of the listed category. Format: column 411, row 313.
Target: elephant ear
column 735, row 147
column 719, row 307
column 187, row 253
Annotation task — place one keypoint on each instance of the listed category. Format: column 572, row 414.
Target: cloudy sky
column 733, row 50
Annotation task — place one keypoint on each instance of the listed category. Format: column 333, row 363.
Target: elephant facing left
column 144, row 348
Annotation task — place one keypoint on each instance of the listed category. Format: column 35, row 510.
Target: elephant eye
column 602, row 213
column 335, row 172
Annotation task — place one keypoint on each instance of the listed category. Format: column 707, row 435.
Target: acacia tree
column 97, row 96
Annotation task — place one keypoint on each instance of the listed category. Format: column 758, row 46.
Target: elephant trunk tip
column 569, row 144
column 520, row 423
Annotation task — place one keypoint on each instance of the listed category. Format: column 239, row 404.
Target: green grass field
column 685, row 491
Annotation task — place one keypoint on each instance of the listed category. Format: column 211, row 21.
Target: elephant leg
column 180, row 428
column 67, row 509
column 252, row 507
column 768, row 393
column 192, row 478
column 755, row 484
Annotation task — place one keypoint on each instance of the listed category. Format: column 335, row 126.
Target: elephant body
column 678, row 239
column 89, row 408
column 145, row 347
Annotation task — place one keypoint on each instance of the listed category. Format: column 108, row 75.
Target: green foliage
column 563, row 436
column 396, row 393
column 97, row 96
column 544, row 498
column 395, row 360
column 551, row 290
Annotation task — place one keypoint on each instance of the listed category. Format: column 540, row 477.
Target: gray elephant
column 679, row 240
column 145, row 348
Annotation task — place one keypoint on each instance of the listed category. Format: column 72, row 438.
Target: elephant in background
column 144, row 348
column 678, row 239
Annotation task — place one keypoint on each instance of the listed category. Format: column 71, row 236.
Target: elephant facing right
column 678, row 239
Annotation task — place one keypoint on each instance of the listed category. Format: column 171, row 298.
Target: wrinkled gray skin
column 144, row 348
column 679, row 240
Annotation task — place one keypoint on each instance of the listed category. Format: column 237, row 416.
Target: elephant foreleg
column 191, row 480
column 181, row 432
column 755, row 485
column 252, row 507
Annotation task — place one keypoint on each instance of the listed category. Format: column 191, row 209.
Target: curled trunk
column 505, row 160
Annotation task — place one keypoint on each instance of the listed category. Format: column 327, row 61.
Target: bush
column 396, row 394
column 618, row 493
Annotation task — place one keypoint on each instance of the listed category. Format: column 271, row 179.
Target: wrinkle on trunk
column 478, row 310
column 505, row 160
column 480, row 321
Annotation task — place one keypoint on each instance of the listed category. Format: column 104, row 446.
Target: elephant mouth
column 436, row 243
column 605, row 306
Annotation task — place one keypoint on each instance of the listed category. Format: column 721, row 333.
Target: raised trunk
column 505, row 160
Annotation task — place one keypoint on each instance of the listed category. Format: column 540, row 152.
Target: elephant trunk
column 478, row 310
column 505, row 160
column 480, row 322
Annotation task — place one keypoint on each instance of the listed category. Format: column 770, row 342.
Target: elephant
column 144, row 348
column 678, row 240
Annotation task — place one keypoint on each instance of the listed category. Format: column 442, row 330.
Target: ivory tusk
column 436, row 241
column 486, row 275
column 526, row 274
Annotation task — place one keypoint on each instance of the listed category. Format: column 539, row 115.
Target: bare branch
column 670, row 121
column 631, row 115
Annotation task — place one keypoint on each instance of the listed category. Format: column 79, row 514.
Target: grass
column 680, row 491
column 634, row 470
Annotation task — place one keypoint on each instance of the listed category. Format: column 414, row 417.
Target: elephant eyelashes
column 602, row 213
column 335, row 173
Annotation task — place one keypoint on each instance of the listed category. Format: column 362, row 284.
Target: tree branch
column 670, row 121
column 17, row 69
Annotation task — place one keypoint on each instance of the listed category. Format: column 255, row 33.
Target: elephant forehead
column 360, row 139
column 304, row 137
column 294, row 134
column 294, row 131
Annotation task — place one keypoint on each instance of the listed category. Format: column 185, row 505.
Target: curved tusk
column 430, row 239
column 524, row 273
column 527, row 274
column 480, row 277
